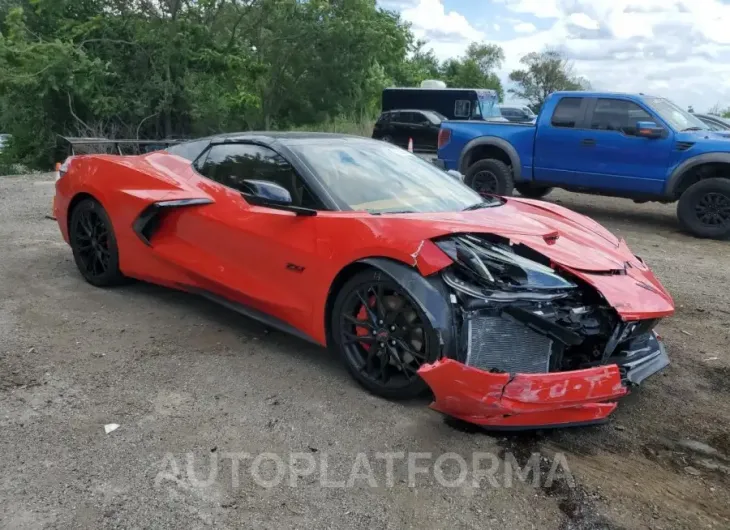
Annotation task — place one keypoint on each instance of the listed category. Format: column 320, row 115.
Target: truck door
column 560, row 151
column 618, row 159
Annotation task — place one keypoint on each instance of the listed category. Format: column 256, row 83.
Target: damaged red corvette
column 516, row 313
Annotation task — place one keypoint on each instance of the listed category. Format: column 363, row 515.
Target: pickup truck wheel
column 704, row 209
column 490, row 177
column 533, row 192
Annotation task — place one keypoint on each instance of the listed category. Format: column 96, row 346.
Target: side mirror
column 648, row 129
column 271, row 195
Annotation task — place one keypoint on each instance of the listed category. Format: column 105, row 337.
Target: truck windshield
column 488, row 104
column 677, row 118
column 490, row 109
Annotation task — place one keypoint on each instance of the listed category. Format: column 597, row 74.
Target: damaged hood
column 565, row 237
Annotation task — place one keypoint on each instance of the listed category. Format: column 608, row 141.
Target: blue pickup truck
column 634, row 146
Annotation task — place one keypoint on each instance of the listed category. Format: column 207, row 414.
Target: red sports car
column 516, row 313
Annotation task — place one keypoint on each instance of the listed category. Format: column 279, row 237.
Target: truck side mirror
column 648, row 129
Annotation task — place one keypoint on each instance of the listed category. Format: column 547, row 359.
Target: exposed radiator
column 507, row 345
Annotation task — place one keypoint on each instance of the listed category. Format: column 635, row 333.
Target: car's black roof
column 280, row 136
column 194, row 147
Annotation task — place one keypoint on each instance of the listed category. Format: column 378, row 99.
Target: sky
column 679, row 49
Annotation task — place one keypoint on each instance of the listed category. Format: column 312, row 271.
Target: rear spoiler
column 72, row 145
column 87, row 146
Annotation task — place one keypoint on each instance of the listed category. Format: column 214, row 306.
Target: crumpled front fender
column 500, row 400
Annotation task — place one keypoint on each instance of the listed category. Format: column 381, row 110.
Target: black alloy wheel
column 704, row 209
column 713, row 209
column 383, row 336
column 94, row 244
column 485, row 182
column 490, row 177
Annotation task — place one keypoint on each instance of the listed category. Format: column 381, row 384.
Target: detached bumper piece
column 559, row 399
column 503, row 401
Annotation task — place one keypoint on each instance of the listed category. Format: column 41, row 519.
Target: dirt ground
column 190, row 383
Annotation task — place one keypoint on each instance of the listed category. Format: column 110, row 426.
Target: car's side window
column 232, row 164
column 462, row 108
column 567, row 113
column 618, row 115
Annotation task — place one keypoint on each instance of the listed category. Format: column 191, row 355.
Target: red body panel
column 243, row 253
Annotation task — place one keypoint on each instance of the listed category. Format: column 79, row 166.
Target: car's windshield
column 381, row 178
column 678, row 118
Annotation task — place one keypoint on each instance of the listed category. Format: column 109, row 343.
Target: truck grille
column 500, row 343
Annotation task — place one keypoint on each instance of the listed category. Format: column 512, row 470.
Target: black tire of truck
column 532, row 191
column 491, row 177
column 704, row 209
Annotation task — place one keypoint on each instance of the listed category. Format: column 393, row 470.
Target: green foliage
column 544, row 73
column 476, row 68
column 172, row 68
column 185, row 68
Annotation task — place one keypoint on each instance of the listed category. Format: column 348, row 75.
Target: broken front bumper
column 524, row 401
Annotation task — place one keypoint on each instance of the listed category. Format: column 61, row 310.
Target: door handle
column 588, row 141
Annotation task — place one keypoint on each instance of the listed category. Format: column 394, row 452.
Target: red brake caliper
column 362, row 314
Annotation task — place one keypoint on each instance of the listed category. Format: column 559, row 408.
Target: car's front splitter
column 523, row 401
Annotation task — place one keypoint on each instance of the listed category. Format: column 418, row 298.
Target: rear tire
column 94, row 244
column 704, row 209
column 491, row 177
column 532, row 191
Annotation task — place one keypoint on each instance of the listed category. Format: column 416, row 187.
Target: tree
column 422, row 64
column 544, row 73
column 160, row 68
column 476, row 68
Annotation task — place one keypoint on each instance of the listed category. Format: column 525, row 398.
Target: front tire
column 490, row 177
column 704, row 209
column 532, row 191
column 94, row 244
column 383, row 336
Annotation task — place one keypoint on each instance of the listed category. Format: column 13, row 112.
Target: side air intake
column 683, row 146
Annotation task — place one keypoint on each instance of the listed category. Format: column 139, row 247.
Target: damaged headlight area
column 494, row 269
column 516, row 314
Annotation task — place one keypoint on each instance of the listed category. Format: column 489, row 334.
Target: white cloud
column 539, row 8
column 449, row 33
column 583, row 21
column 676, row 48
column 525, row 27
